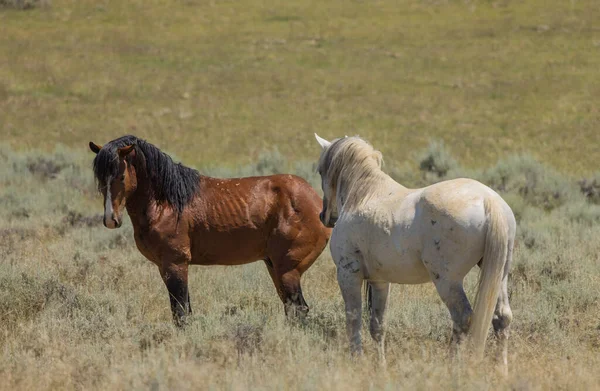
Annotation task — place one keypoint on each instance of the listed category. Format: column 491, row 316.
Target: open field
column 237, row 88
column 220, row 81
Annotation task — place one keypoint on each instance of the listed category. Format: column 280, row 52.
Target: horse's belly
column 223, row 254
column 236, row 247
column 220, row 260
column 399, row 268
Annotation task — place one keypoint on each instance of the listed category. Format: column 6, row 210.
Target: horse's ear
column 95, row 147
column 126, row 150
column 322, row 142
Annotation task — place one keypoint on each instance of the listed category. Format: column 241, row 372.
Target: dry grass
column 220, row 81
column 82, row 309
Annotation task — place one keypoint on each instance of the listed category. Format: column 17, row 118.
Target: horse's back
column 258, row 201
column 234, row 219
column 298, row 189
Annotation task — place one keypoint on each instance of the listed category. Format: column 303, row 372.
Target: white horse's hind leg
column 453, row 295
column 501, row 321
column 379, row 296
column 350, row 280
column 503, row 317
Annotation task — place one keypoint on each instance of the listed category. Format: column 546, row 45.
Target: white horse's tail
column 490, row 276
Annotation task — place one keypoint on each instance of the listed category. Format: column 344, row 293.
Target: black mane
column 171, row 182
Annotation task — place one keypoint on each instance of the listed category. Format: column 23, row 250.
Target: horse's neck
column 139, row 203
column 353, row 193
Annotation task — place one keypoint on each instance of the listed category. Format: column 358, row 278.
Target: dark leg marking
column 175, row 279
column 180, row 300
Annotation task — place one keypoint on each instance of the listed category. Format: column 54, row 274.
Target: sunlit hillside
column 217, row 82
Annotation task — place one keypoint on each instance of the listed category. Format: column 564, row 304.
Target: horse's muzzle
column 330, row 223
column 112, row 222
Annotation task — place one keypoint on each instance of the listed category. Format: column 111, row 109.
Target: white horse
column 386, row 233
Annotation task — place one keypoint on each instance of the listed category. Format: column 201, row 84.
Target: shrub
column 581, row 212
column 437, row 160
column 270, row 162
column 23, row 295
column 537, row 184
column 24, row 4
column 590, row 188
column 45, row 168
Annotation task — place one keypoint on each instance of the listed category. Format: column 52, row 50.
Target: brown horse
column 180, row 218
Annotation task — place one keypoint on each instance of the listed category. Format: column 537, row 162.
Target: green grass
column 217, row 81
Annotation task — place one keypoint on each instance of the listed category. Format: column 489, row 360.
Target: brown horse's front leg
column 175, row 276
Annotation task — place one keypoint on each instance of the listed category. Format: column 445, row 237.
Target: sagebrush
column 81, row 307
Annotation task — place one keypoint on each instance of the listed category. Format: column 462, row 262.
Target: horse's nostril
column 332, row 221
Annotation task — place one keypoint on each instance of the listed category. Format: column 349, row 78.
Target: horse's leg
column 289, row 290
column 350, row 280
column 449, row 286
column 294, row 303
column 275, row 278
column 503, row 316
column 175, row 277
column 453, row 295
column 289, row 255
column 379, row 295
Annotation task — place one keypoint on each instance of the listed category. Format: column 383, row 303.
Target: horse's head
column 329, row 214
column 116, row 179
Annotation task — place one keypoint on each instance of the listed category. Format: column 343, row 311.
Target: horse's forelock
column 106, row 162
column 105, row 167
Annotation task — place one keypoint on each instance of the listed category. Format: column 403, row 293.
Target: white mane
column 353, row 168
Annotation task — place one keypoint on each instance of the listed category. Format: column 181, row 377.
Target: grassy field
column 218, row 82
column 82, row 309
column 237, row 88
